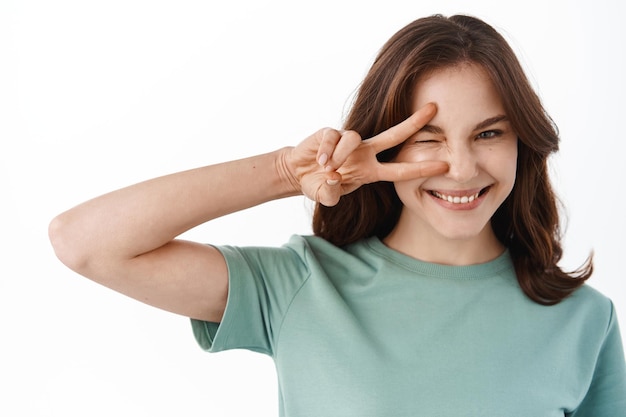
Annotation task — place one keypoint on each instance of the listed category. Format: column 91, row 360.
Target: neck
column 473, row 250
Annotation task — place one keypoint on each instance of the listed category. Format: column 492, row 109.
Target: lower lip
column 460, row 206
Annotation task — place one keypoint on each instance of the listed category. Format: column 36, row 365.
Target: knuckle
column 333, row 200
column 351, row 135
column 330, row 134
column 329, row 199
column 350, row 141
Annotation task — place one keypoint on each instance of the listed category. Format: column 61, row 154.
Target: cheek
column 409, row 192
column 506, row 164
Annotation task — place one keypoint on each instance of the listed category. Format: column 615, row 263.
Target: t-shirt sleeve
column 606, row 396
column 262, row 284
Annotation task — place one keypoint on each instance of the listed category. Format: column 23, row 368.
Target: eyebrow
column 485, row 123
column 491, row 121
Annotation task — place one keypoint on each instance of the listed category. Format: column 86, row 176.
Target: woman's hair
column 527, row 222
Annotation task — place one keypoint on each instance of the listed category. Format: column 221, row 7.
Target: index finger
column 397, row 134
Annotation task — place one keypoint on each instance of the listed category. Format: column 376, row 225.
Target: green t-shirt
column 367, row 331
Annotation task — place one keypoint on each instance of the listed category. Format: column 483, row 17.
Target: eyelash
column 492, row 134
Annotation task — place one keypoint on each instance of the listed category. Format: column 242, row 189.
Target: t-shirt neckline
column 488, row 269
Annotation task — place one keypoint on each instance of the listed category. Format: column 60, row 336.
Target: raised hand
column 332, row 163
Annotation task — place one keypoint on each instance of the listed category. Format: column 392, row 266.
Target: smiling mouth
column 458, row 199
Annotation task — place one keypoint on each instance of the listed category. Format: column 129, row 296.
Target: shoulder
column 314, row 249
column 310, row 245
column 604, row 369
column 591, row 309
column 302, row 254
column 591, row 301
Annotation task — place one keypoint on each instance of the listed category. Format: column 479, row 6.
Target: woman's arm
column 125, row 240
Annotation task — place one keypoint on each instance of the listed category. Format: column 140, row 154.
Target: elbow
column 66, row 244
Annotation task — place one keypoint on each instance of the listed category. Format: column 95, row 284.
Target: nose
column 463, row 163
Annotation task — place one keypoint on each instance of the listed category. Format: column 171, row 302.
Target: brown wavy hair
column 527, row 222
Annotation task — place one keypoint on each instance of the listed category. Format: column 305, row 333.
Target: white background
column 95, row 95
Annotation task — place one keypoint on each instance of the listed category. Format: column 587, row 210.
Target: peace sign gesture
column 332, row 163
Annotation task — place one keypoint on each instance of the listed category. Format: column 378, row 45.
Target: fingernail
column 322, row 159
column 332, row 182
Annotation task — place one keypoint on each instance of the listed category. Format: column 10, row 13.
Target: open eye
column 489, row 134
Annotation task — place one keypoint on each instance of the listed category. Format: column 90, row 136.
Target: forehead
column 465, row 88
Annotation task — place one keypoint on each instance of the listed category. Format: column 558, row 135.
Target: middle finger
column 397, row 134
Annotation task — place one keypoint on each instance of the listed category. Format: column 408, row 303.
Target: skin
column 458, row 142
column 115, row 241
column 471, row 133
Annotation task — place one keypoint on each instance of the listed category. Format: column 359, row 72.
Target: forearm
column 137, row 219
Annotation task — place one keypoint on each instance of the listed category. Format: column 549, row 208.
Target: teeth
column 456, row 200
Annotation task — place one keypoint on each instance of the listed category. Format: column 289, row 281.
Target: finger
column 328, row 142
column 404, row 171
column 329, row 193
column 348, row 142
column 332, row 177
column 397, row 134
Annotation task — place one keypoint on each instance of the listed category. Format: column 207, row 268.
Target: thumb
column 329, row 192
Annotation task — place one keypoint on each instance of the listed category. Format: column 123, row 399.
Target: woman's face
column 471, row 132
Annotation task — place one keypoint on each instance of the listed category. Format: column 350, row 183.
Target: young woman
column 431, row 286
